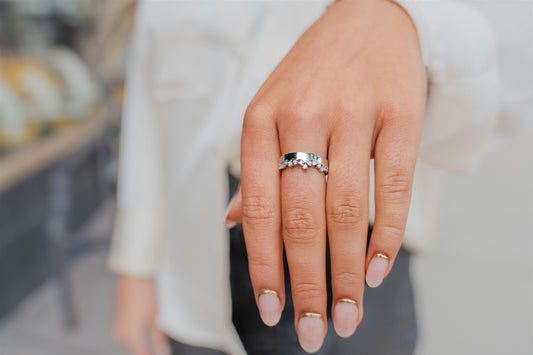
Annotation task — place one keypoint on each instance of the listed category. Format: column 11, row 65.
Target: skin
column 352, row 88
column 134, row 320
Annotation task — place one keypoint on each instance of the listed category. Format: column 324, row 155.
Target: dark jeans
column 388, row 326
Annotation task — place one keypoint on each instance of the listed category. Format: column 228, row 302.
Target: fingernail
column 269, row 307
column 311, row 331
column 228, row 224
column 377, row 269
column 345, row 317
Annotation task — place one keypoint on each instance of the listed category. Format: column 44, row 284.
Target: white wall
column 475, row 288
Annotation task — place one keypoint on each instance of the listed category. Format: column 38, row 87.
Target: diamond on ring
column 304, row 160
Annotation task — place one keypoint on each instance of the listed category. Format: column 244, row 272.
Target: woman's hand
column 135, row 311
column 353, row 87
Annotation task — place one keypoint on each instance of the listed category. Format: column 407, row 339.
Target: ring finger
column 304, row 235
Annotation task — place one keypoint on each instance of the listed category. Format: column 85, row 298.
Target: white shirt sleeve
column 463, row 103
column 140, row 215
column 460, row 54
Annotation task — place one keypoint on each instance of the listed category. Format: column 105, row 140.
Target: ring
column 304, row 160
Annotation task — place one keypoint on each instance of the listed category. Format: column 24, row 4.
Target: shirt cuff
column 135, row 244
column 459, row 51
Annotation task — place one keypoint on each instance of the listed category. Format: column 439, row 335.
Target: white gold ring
column 303, row 160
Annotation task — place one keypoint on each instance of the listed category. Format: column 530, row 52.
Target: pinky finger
column 395, row 159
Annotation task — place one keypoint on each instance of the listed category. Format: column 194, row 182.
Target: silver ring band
column 304, row 160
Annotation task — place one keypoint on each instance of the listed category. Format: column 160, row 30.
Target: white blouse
column 195, row 65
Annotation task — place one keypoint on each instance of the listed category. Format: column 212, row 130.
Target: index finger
column 261, row 220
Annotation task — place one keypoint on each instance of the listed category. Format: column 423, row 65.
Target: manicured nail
column 345, row 317
column 228, row 224
column 377, row 269
column 311, row 331
column 269, row 307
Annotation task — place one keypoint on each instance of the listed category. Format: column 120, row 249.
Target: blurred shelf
column 25, row 162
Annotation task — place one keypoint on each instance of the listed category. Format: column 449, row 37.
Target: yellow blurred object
column 15, row 130
column 12, row 69
column 119, row 93
column 65, row 123
column 9, row 142
column 37, row 86
column 80, row 92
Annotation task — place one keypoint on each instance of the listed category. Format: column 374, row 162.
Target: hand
column 135, row 311
column 352, row 88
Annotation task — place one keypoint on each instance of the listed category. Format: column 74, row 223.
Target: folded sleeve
column 460, row 53
column 139, row 222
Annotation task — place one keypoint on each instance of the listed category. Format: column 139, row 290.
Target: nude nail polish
column 345, row 315
column 269, row 306
column 228, row 224
column 311, row 331
column 377, row 269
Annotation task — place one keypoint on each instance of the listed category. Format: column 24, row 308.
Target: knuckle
column 401, row 109
column 301, row 113
column 257, row 113
column 396, row 185
column 347, row 211
column 299, row 225
column 307, row 290
column 393, row 230
column 258, row 109
column 257, row 209
column 261, row 266
column 348, row 107
column 350, row 278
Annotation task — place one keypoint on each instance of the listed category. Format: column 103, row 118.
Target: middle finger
column 347, row 220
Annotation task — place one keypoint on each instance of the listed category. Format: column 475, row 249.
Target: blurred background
column 61, row 90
